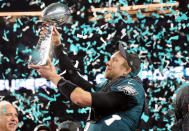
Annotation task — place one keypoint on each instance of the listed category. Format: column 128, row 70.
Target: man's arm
column 104, row 101
column 81, row 97
column 65, row 64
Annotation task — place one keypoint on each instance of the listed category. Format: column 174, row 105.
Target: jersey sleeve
column 128, row 87
column 71, row 73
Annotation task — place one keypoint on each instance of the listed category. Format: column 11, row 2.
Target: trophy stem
column 41, row 53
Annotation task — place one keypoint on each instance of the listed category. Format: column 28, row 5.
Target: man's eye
column 8, row 114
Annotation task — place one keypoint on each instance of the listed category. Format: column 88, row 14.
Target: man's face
column 115, row 68
column 8, row 118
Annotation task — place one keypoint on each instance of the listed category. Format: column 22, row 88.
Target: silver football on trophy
column 54, row 14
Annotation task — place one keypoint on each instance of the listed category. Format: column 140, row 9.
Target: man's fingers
column 41, row 33
column 44, row 29
column 49, row 62
column 38, row 71
column 34, row 67
column 55, row 31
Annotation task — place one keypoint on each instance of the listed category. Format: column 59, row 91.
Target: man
column 117, row 103
column 181, row 110
column 42, row 128
column 69, row 126
column 8, row 117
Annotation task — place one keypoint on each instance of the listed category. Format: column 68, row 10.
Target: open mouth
column 12, row 125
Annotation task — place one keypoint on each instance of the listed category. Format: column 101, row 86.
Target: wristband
column 66, row 87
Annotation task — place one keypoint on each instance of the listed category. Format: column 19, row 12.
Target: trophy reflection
column 53, row 15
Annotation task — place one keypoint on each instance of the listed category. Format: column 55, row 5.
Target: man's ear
column 127, row 71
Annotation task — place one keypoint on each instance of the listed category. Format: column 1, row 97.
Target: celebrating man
column 117, row 103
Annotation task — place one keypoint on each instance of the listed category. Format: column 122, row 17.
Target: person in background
column 117, row 103
column 8, row 117
column 69, row 126
column 42, row 127
column 181, row 109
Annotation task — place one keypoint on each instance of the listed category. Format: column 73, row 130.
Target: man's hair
column 4, row 103
column 42, row 127
column 68, row 126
